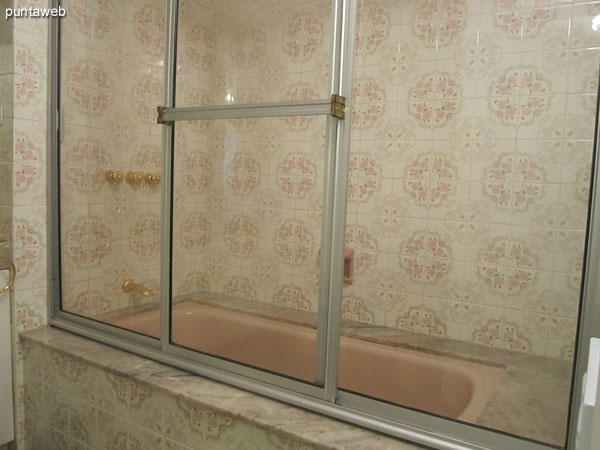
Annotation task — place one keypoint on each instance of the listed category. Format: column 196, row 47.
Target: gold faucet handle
column 152, row 178
column 128, row 285
column 134, row 177
column 113, row 176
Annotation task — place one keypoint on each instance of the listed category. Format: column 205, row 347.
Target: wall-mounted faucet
column 131, row 286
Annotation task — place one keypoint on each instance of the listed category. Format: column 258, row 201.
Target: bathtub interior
column 440, row 385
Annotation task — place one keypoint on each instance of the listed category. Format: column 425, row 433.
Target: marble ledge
column 304, row 426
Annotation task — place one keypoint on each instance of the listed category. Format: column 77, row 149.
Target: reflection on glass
column 246, row 235
column 467, row 209
column 235, row 51
column 110, row 162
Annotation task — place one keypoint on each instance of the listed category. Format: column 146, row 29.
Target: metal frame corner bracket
column 160, row 118
column 338, row 106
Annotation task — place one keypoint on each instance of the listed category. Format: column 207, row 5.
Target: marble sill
column 290, row 422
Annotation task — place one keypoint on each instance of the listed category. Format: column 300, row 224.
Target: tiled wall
column 111, row 83
column 470, row 164
column 23, row 146
column 6, row 132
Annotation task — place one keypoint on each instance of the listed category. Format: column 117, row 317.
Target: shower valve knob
column 113, row 176
column 152, row 178
column 134, row 177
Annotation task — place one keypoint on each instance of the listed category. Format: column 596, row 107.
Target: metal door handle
column 11, row 276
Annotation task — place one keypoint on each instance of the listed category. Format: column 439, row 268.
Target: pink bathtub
column 444, row 386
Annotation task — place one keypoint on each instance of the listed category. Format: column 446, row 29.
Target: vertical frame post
column 336, row 267
column 53, row 167
column 166, row 198
column 328, row 194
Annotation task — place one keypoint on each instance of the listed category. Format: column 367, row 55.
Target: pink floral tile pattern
column 502, row 334
column 294, row 242
column 355, row 309
column 508, row 253
column 88, row 152
column 197, row 172
column 304, row 35
column 296, row 175
column 434, row 99
column 364, row 177
column 438, row 23
column 241, row 236
column 26, row 235
column 89, row 241
column 372, row 29
column 240, row 287
column 150, row 28
column 93, row 23
column 89, row 87
column 195, row 232
column 425, row 257
column 194, row 282
column 201, row 47
column 514, row 167
column 421, row 320
column 243, row 173
column 292, row 297
column 89, row 303
column 368, row 105
column 144, row 236
column 526, row 83
column 249, row 46
column 429, row 179
column 523, row 23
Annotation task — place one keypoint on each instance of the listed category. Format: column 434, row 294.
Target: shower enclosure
column 379, row 210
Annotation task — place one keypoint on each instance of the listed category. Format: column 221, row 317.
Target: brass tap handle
column 152, row 178
column 134, row 177
column 113, row 176
column 11, row 275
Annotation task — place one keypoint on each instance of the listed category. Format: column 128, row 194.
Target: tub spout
column 130, row 286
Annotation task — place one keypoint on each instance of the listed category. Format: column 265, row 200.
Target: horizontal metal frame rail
column 272, row 109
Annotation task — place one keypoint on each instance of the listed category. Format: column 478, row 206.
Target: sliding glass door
column 252, row 144
column 470, row 161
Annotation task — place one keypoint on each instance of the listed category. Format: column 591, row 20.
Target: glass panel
column 111, row 82
column 471, row 152
column 236, row 51
column 246, row 236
